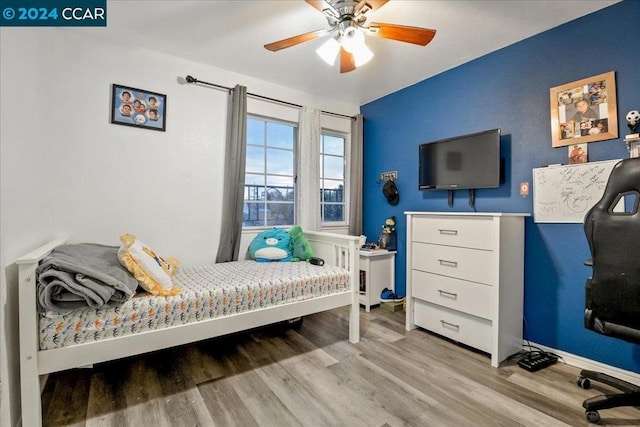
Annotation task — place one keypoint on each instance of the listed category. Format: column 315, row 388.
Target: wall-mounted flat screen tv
column 464, row 162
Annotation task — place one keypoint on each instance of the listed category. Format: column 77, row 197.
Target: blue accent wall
column 509, row 89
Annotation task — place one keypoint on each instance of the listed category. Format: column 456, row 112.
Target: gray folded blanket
column 83, row 275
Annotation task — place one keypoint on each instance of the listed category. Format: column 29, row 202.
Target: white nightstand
column 377, row 271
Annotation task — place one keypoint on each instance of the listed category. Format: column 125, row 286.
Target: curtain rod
column 191, row 79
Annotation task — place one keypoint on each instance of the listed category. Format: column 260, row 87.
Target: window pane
column 280, row 181
column 280, row 194
column 333, row 167
column 253, row 214
column 253, row 187
column 280, row 162
column 269, row 174
column 279, row 135
column 280, row 188
column 332, row 174
column 254, row 179
column 279, row 213
column 255, row 159
column 255, row 131
column 333, row 213
column 333, row 145
column 333, row 191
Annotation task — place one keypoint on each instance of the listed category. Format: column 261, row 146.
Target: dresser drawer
column 461, row 263
column 471, row 232
column 460, row 295
column 469, row 330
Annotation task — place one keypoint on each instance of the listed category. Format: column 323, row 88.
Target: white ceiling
column 231, row 34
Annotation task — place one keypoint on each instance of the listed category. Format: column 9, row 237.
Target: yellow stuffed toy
column 150, row 270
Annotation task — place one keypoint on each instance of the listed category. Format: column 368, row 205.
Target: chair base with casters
column 630, row 395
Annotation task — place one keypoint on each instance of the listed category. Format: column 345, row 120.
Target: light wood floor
column 315, row 377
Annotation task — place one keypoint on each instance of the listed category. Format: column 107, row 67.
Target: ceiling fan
column 348, row 18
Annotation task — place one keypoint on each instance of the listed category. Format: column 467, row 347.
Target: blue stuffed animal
column 271, row 245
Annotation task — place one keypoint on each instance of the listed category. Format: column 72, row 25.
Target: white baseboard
column 591, row 365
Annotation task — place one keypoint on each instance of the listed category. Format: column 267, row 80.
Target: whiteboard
column 566, row 193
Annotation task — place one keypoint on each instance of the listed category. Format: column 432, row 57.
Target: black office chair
column 613, row 291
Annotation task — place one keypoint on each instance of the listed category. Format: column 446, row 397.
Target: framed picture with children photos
column 584, row 111
column 138, row 108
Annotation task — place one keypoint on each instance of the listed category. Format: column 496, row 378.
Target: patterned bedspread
column 208, row 291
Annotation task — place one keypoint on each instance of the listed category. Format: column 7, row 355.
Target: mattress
column 208, row 291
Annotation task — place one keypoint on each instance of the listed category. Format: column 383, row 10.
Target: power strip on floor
column 535, row 362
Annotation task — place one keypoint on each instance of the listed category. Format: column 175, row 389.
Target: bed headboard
column 335, row 249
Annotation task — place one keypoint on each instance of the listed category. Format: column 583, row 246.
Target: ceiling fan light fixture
column 329, row 51
column 351, row 40
column 362, row 55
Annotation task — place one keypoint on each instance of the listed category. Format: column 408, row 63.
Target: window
column 332, row 178
column 269, row 177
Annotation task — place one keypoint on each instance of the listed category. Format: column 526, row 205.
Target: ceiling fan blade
column 324, row 7
column 318, row 4
column 347, row 62
column 377, row 4
column 372, row 4
column 403, row 33
column 292, row 41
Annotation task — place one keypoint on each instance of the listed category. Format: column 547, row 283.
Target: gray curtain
column 355, row 188
column 234, row 167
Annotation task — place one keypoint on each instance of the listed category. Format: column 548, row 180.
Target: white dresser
column 465, row 278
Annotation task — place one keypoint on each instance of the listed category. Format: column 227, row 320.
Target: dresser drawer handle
column 448, row 263
column 449, row 294
column 448, row 232
column 451, row 325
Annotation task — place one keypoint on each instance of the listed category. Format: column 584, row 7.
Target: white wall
column 24, row 222
column 66, row 170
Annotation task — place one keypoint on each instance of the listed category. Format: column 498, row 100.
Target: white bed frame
column 35, row 364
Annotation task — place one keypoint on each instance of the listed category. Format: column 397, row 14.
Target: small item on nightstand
column 388, row 237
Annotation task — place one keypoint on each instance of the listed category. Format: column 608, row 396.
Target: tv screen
column 464, row 162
